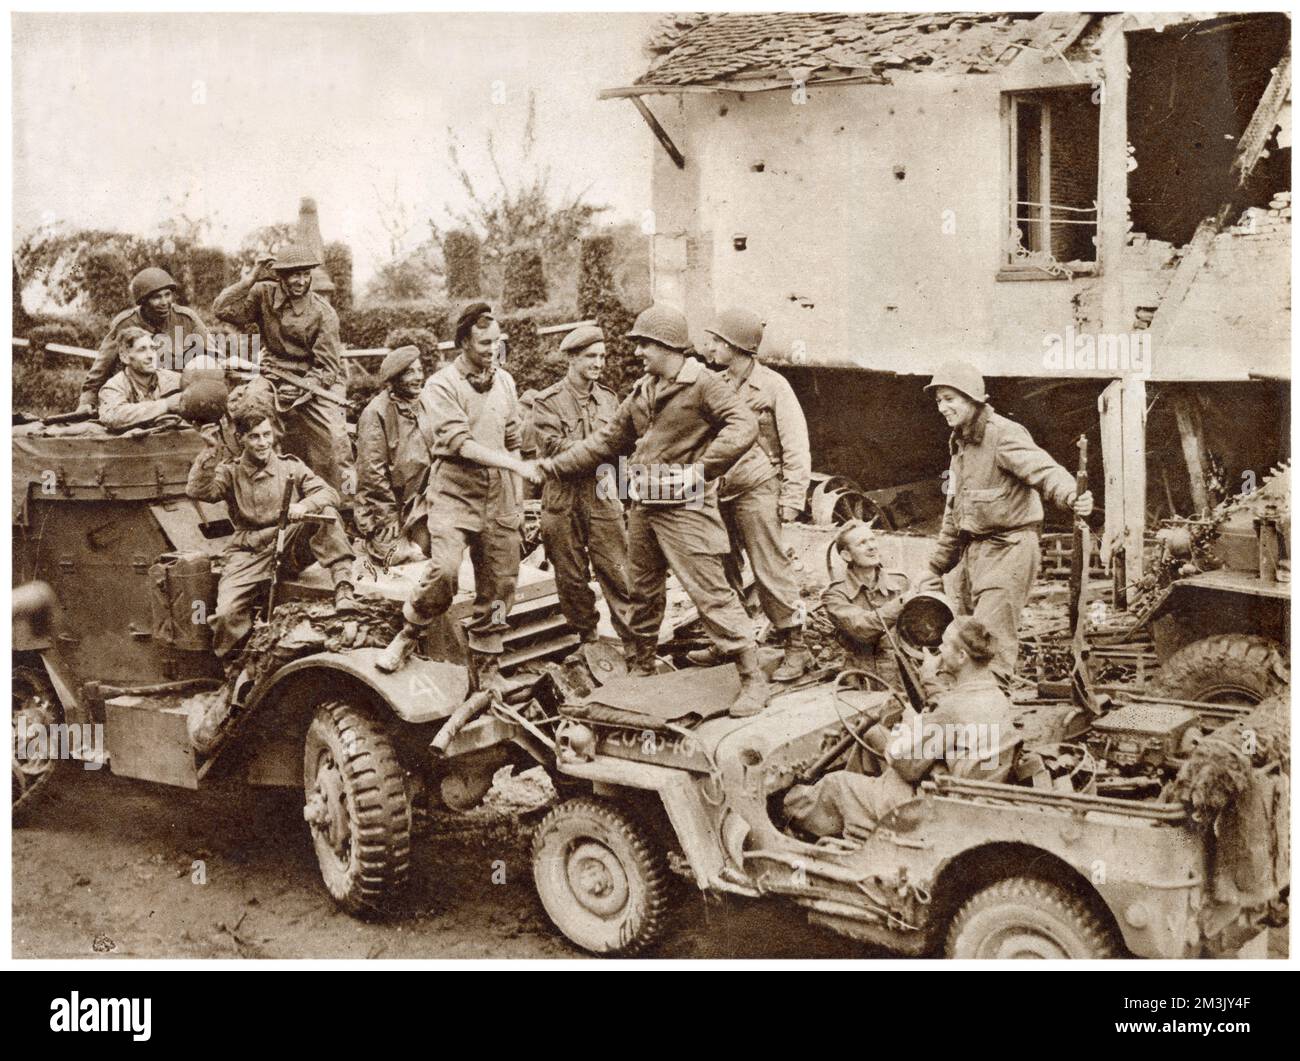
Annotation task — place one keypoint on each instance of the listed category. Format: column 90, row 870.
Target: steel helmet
column 741, row 328
column 149, row 280
column 960, row 376
column 662, row 324
column 204, row 401
column 295, row 256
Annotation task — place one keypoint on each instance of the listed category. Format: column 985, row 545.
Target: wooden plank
column 661, row 134
column 1263, row 121
column 1109, row 404
column 1190, row 434
column 1134, row 425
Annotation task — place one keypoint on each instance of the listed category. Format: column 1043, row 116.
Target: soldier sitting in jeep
column 969, row 733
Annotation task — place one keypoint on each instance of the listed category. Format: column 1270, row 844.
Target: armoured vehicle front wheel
column 1021, row 917
column 358, row 808
column 601, row 877
column 1223, row 669
column 36, row 713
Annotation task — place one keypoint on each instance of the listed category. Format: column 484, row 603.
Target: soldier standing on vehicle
column 765, row 488
column 994, row 514
column 582, row 519
column 970, row 734
column 395, row 438
column 299, row 334
column 864, row 602
column 155, row 310
column 688, row 427
column 142, row 392
column 475, row 499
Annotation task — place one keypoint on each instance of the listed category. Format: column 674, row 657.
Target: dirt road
column 117, row 868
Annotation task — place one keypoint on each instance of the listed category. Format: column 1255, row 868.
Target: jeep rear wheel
column 1223, row 669
column 601, row 877
column 36, row 710
column 1021, row 917
column 358, row 808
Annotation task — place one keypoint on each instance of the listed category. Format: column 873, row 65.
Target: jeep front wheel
column 1223, row 669
column 1021, row 917
column 36, row 713
column 358, row 808
column 601, row 877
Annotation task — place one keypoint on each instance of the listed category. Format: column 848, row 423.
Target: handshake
column 535, row 471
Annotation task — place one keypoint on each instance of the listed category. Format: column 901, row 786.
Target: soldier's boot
column 207, row 729
column 640, row 658
column 752, row 697
column 797, row 661
column 704, row 657
column 587, row 637
column 485, row 674
column 399, row 649
column 345, row 602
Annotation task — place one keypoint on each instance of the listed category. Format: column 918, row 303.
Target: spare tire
column 1224, row 669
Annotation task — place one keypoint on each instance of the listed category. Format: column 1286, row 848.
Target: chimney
column 309, row 235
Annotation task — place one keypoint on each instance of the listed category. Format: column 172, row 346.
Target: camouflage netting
column 299, row 628
column 1222, row 766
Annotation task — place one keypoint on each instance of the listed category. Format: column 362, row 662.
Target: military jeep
column 1083, row 854
column 103, row 520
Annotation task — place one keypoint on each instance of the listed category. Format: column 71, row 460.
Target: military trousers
column 316, row 432
column 248, row 569
column 690, row 540
column 753, row 524
column 994, row 576
column 580, row 543
column 494, row 554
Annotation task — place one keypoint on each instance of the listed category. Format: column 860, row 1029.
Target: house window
column 1052, row 182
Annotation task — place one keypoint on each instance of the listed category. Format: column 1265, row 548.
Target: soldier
column 142, row 392
column 582, row 519
column 688, row 427
column 864, row 602
column 252, row 488
column 155, row 310
column 300, row 334
column 969, row 733
column 475, row 499
column 395, row 439
column 994, row 513
column 765, row 488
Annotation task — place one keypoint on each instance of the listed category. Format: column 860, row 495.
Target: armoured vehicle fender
column 679, row 791
column 423, row 691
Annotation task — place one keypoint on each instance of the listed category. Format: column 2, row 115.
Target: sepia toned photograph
column 683, row 487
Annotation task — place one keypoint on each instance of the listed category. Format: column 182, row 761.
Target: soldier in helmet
column 475, row 499
column 994, row 511
column 395, row 438
column 300, row 334
column 582, row 519
column 155, row 310
column 766, row 487
column 686, row 427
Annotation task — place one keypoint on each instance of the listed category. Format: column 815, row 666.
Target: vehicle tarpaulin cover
column 685, row 696
column 84, row 462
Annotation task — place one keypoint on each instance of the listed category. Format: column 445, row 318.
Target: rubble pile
column 299, row 628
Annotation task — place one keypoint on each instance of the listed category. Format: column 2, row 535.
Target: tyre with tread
column 601, row 876
column 1023, row 917
column 1224, row 668
column 358, row 808
column 35, row 704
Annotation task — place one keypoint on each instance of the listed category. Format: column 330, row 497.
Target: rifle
column 911, row 680
column 303, row 384
column 1082, row 543
column 281, row 539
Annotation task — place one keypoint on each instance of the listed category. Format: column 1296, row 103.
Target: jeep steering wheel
column 837, row 688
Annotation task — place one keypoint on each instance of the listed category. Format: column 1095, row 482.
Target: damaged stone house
column 1094, row 208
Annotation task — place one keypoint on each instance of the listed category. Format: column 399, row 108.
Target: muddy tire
column 1223, row 669
column 35, row 703
column 602, row 877
column 358, row 808
column 1021, row 917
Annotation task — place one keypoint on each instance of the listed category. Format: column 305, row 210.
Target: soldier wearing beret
column 582, row 520
column 475, row 499
column 395, row 438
